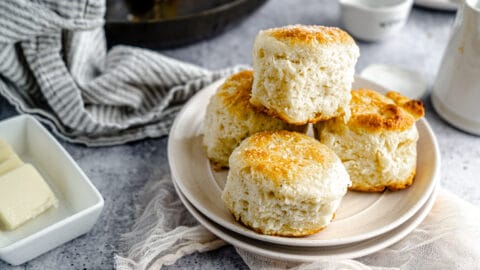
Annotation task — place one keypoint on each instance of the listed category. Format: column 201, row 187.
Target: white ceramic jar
column 456, row 91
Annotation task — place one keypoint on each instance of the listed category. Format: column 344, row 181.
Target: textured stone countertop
column 121, row 172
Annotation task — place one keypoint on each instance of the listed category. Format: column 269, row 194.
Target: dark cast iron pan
column 192, row 20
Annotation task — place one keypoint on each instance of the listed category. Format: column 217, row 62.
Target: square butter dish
column 79, row 202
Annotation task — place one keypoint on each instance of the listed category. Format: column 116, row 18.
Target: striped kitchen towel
column 54, row 65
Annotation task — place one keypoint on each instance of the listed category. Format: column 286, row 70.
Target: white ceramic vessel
column 373, row 20
column 311, row 254
column 80, row 203
column 408, row 82
column 456, row 91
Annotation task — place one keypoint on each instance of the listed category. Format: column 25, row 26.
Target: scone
column 230, row 118
column 303, row 74
column 378, row 145
column 284, row 183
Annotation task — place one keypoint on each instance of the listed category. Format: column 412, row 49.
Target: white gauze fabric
column 446, row 239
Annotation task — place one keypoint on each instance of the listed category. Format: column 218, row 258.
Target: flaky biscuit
column 230, row 118
column 378, row 145
column 303, row 74
column 284, row 183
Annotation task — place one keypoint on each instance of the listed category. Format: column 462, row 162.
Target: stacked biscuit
column 231, row 118
column 281, row 181
column 378, row 145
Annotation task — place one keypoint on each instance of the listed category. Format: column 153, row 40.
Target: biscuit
column 284, row 183
column 303, row 74
column 230, row 118
column 378, row 145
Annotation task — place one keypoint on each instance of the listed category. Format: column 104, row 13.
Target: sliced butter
column 10, row 164
column 23, row 196
column 5, row 151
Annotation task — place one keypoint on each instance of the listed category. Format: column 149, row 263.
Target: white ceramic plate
column 79, row 202
column 309, row 254
column 371, row 213
column 446, row 5
column 408, row 82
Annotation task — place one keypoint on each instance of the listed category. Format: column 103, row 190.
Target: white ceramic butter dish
column 79, row 202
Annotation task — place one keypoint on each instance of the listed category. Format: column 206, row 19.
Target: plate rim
column 240, row 229
column 376, row 244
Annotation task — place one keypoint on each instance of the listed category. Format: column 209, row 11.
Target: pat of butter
column 5, row 151
column 10, row 164
column 23, row 196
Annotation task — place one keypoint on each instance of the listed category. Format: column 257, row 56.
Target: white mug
column 373, row 20
column 456, row 91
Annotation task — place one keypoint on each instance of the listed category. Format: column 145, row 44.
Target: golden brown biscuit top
column 376, row 112
column 235, row 92
column 309, row 33
column 281, row 156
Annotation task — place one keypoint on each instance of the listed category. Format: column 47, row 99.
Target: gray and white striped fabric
column 55, row 66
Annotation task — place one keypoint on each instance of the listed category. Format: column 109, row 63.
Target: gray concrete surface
column 120, row 172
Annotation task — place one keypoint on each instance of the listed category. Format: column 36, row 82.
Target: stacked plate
column 364, row 222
